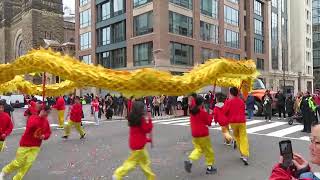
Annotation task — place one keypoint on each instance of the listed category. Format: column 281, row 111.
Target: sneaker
column 114, row 177
column 245, row 161
column 2, row 175
column 64, row 137
column 279, row 118
column 82, row 137
column 211, row 170
column 187, row 166
column 60, row 128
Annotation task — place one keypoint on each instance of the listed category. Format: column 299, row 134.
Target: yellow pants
column 2, row 145
column 202, row 146
column 139, row 157
column 241, row 137
column 24, row 159
column 61, row 118
column 226, row 133
column 77, row 125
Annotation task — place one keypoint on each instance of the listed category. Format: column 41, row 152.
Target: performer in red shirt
column 234, row 109
column 60, row 106
column 75, row 119
column 95, row 106
column 5, row 126
column 139, row 128
column 37, row 130
column 199, row 122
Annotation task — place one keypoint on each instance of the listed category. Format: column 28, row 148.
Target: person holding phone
column 299, row 169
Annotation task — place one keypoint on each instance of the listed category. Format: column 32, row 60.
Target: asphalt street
column 106, row 147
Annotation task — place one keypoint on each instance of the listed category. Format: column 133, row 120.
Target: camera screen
column 286, row 148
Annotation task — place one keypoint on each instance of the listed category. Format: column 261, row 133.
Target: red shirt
column 317, row 99
column 76, row 112
column 95, row 105
column 36, row 126
column 138, row 135
column 219, row 116
column 60, row 104
column 6, row 125
column 199, row 123
column 234, row 109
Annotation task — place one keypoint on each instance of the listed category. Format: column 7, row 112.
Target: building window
column 209, row 8
column 112, row 34
column 181, row 54
column 234, row 1
column 258, row 46
column 309, row 70
column 257, row 7
column 85, row 41
column 105, row 11
column 209, row 32
column 137, row 3
column 106, row 36
column 143, row 24
column 231, row 38
column 143, row 54
column 308, row 42
column 308, row 28
column 274, row 41
column 184, row 3
column 231, row 16
column 85, row 18
column 308, row 54
column 258, row 27
column 113, row 59
column 83, row 2
column 208, row 54
column 232, row 56
column 86, row 59
column 180, row 24
column 260, row 64
column 274, row 3
column 111, row 9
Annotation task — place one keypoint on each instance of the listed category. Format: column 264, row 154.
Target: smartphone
column 286, row 153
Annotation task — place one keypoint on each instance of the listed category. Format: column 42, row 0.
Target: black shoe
column 211, row 170
column 187, row 166
column 82, row 137
column 303, row 131
column 64, row 137
column 245, row 161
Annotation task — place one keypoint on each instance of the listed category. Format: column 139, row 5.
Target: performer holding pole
column 234, row 109
column 60, row 106
column 139, row 128
column 75, row 119
column 200, row 120
column 37, row 130
column 5, row 126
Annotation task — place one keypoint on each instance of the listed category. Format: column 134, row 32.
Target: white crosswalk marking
column 253, row 127
column 174, row 122
column 286, row 131
column 264, row 127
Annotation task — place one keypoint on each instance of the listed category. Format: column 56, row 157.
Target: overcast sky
column 69, row 3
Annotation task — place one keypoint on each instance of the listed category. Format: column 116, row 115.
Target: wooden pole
column 44, row 88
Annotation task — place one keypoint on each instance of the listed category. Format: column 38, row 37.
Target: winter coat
column 278, row 173
column 289, row 106
column 267, row 104
column 250, row 102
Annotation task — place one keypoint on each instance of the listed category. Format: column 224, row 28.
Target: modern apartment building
column 316, row 42
column 300, row 32
column 172, row 35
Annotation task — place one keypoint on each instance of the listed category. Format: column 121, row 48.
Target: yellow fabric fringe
column 140, row 82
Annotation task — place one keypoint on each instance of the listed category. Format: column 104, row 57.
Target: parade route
column 106, row 147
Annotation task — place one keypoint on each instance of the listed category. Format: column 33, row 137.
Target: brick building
column 171, row 35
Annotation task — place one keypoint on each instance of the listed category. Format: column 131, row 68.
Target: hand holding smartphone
column 286, row 152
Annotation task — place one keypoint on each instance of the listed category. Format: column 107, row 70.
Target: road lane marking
column 264, row 127
column 286, row 131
